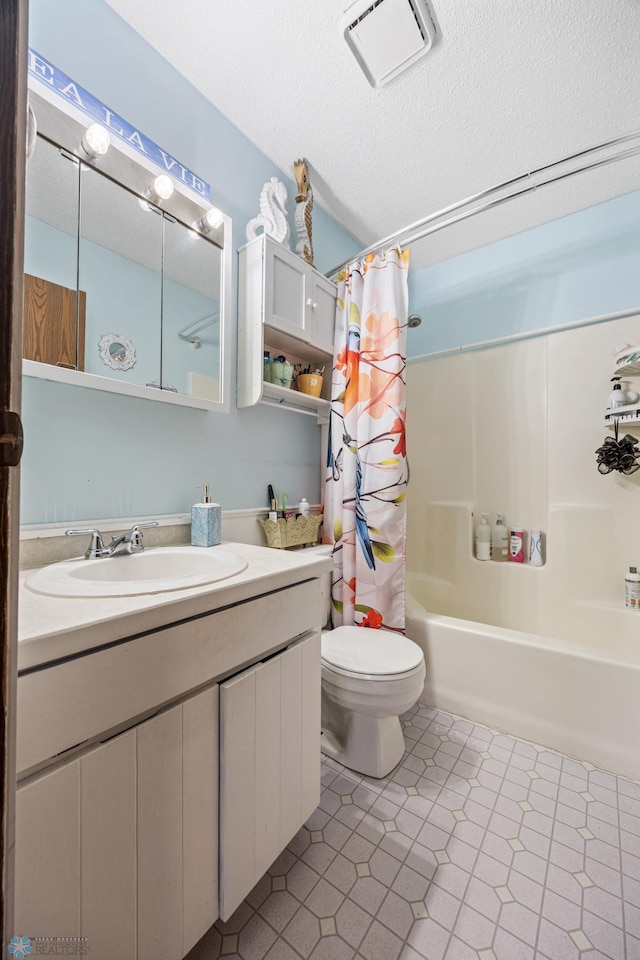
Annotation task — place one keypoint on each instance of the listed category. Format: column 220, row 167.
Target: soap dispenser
column 206, row 521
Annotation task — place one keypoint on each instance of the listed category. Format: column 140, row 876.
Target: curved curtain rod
column 407, row 236
column 199, row 324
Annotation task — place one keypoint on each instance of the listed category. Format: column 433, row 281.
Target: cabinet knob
column 310, row 303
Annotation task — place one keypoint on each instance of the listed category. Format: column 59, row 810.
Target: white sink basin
column 157, row 570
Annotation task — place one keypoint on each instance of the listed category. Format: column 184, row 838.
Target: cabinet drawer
column 62, row 706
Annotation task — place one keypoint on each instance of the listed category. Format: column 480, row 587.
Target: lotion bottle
column 483, row 539
column 206, row 521
column 499, row 540
column 615, row 397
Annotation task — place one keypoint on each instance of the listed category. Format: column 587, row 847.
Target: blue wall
column 92, row 454
column 583, row 265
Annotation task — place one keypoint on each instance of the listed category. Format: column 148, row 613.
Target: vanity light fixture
column 212, row 219
column 96, row 141
column 161, row 187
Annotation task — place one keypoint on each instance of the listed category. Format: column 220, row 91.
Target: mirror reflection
column 120, row 268
column 190, row 312
column 101, row 261
column 54, row 315
column 117, row 351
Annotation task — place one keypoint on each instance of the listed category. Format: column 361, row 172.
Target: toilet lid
column 375, row 652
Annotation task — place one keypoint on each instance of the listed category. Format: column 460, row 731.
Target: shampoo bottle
column 535, row 548
column 206, row 521
column 499, row 540
column 632, row 589
column 483, row 539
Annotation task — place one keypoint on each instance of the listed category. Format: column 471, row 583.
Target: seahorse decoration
column 273, row 213
column 304, row 201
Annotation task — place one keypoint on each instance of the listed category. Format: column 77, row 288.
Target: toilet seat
column 376, row 654
column 371, row 679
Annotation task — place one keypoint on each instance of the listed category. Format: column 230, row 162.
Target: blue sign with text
column 71, row 92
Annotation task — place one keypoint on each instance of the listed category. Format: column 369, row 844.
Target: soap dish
column 291, row 532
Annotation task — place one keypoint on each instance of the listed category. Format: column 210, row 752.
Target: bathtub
column 553, row 692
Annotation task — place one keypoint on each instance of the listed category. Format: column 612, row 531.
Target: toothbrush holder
column 310, row 383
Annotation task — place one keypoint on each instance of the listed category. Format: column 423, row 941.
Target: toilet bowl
column 369, row 678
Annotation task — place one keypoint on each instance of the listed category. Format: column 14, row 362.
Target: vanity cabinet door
column 199, row 815
column 159, row 803
column 177, row 848
column 75, row 851
column 47, row 893
column 269, row 764
column 121, row 845
column 108, row 843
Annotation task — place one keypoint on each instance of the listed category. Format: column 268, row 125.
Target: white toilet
column 369, row 678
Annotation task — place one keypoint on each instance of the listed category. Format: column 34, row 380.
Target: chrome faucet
column 130, row 541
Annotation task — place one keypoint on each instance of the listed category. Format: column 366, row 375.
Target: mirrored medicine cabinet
column 124, row 291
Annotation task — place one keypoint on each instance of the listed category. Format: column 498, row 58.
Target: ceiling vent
column 387, row 36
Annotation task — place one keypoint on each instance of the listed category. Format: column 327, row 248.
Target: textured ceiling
column 509, row 86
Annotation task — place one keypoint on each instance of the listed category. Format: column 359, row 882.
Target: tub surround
column 522, row 426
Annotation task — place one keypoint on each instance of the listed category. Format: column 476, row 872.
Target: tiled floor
column 478, row 845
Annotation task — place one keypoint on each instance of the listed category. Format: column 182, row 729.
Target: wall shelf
column 628, row 414
column 294, row 400
column 630, row 367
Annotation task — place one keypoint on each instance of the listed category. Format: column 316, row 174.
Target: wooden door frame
column 13, row 101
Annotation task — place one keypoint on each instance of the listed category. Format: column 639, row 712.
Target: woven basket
column 292, row 532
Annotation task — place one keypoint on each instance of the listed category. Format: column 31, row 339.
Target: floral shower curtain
column 366, row 478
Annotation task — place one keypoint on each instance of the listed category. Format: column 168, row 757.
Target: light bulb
column 96, row 141
column 162, row 187
column 213, row 218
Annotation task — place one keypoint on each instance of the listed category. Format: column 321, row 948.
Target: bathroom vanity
column 168, row 750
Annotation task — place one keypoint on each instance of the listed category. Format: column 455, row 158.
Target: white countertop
column 50, row 628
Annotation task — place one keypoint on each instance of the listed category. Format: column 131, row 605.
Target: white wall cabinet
column 286, row 306
column 121, row 845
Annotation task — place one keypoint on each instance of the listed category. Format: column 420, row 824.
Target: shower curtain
column 366, row 477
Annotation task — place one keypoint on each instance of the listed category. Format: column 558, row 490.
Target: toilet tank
column 325, row 550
